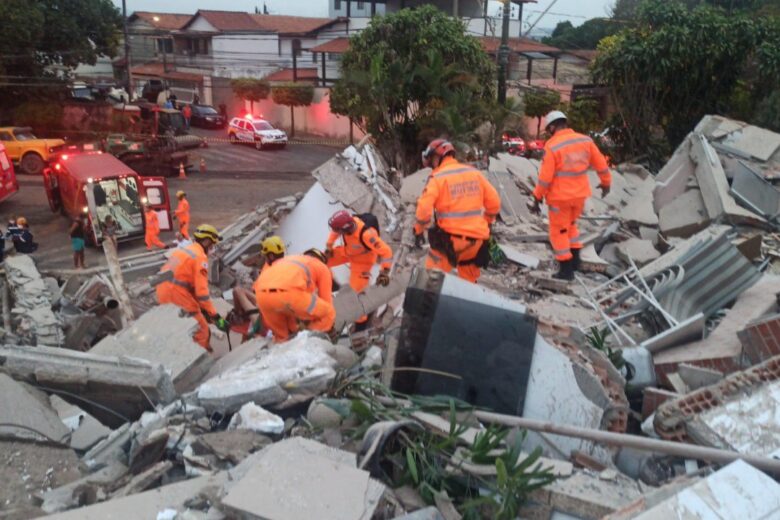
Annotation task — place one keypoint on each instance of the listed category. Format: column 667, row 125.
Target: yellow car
column 28, row 151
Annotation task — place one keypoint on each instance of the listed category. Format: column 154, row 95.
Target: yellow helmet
column 207, row 231
column 180, row 194
column 273, row 244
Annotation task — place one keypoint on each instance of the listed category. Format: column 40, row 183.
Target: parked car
column 249, row 129
column 206, row 116
column 8, row 183
column 28, row 151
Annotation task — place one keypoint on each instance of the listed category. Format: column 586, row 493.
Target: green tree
column 293, row 95
column 676, row 65
column 768, row 112
column 584, row 116
column 411, row 76
column 585, row 36
column 251, row 89
column 38, row 35
column 538, row 102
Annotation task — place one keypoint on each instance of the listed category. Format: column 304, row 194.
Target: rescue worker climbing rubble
column 187, row 285
column 362, row 248
column 564, row 184
column 272, row 248
column 182, row 214
column 462, row 205
column 152, row 224
column 296, row 293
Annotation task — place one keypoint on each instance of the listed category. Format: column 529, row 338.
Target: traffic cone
column 202, row 165
column 182, row 173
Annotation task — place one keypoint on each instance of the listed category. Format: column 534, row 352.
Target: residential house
column 150, row 34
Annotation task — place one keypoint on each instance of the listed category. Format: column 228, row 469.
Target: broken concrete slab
column 691, row 329
column 735, row 491
column 120, row 384
column 753, row 191
column 162, row 336
column 751, row 142
column 231, row 446
column 144, row 480
column 351, row 306
column 288, row 373
column 698, row 377
column 638, row 209
column 81, row 492
column 684, row 216
column 37, row 323
column 285, row 482
column 147, row 504
column 642, row 252
column 86, row 431
column 518, row 257
column 513, row 202
column 673, row 179
column 412, row 185
column 761, row 339
column 25, row 413
column 257, row 419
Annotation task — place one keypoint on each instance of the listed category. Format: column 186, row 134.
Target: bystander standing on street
column 77, row 242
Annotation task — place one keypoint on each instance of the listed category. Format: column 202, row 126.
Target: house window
column 165, row 45
column 361, row 6
column 337, row 5
column 296, row 47
column 334, row 56
column 314, row 57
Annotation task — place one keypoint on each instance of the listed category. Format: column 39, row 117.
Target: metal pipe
column 678, row 449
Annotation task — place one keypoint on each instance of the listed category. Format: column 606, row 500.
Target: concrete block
column 673, row 179
column 653, row 398
column 639, row 210
column 288, row 373
column 698, row 377
column 587, row 496
column 28, row 408
column 285, row 482
column 86, row 431
column 351, row 306
column 162, row 336
column 752, row 142
column 36, row 322
column 684, row 216
column 257, row 419
column 518, row 257
column 412, row 185
column 82, row 491
column 121, row 384
column 513, row 201
column 640, row 251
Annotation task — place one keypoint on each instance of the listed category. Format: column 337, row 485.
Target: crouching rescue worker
column 463, row 206
column 187, row 286
column 564, row 184
column 295, row 293
column 361, row 248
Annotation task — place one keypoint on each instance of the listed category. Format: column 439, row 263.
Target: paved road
column 237, row 180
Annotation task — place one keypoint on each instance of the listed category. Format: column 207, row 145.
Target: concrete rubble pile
column 632, row 392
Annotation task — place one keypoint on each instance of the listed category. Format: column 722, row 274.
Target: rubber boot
column 575, row 259
column 565, row 271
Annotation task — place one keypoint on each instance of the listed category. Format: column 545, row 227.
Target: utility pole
column 503, row 53
column 128, row 79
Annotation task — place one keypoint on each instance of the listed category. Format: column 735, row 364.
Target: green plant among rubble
column 433, row 462
column 598, row 340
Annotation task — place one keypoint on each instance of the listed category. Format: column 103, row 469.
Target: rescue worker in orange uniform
column 564, row 184
column 182, row 214
column 188, row 286
column 362, row 248
column 152, row 236
column 464, row 205
column 296, row 291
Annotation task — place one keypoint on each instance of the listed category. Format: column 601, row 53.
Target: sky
column 576, row 11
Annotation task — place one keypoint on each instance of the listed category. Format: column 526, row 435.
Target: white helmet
column 555, row 115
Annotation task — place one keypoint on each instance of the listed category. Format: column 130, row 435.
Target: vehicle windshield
column 119, row 198
column 208, row 111
column 263, row 125
column 24, row 136
column 172, row 121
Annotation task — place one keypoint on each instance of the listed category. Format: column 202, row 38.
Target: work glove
column 419, row 240
column 221, row 323
column 604, row 191
column 384, row 278
column 535, row 207
column 328, row 253
column 256, row 327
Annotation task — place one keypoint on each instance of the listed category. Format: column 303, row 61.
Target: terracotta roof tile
column 157, row 70
column 167, row 21
column 491, row 45
column 291, row 24
column 335, row 46
column 227, row 21
column 287, row 75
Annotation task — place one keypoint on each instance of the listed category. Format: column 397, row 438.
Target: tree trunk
column 292, row 121
column 538, row 126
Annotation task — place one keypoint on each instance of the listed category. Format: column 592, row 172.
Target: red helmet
column 342, row 222
column 437, row 148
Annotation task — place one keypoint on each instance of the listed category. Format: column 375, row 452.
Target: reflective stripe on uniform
column 460, row 214
column 423, row 222
column 602, row 172
column 180, row 283
column 554, row 209
column 570, row 142
column 203, row 298
column 188, row 252
column 544, row 184
column 312, row 303
column 305, row 269
column 439, row 175
column 562, row 251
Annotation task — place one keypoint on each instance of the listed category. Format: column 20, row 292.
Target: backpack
column 370, row 221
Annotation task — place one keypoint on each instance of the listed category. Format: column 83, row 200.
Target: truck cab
column 96, row 184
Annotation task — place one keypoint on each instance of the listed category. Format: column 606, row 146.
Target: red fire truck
column 8, row 183
column 97, row 184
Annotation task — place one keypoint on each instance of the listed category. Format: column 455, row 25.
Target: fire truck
column 96, row 184
column 8, row 183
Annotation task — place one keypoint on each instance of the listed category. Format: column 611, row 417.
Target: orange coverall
column 152, row 230
column 189, row 288
column 465, row 204
column 295, row 289
column 361, row 259
column 183, row 216
column 564, row 183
